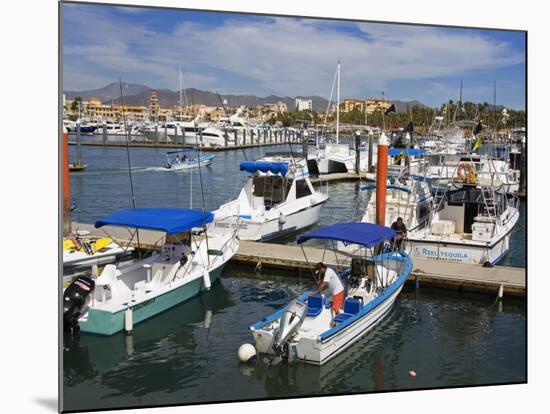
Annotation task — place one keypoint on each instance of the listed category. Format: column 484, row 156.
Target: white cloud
column 284, row 56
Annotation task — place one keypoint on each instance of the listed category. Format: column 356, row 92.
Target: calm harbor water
column 104, row 187
column 189, row 353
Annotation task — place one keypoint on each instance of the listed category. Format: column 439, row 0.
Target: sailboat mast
column 181, row 100
column 495, row 109
column 338, row 104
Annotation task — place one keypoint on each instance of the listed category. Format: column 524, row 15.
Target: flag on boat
column 398, row 159
column 390, row 109
column 477, row 144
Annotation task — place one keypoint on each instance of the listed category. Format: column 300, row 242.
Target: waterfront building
column 304, row 104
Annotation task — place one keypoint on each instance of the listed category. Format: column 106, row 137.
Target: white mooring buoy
column 128, row 320
column 246, row 352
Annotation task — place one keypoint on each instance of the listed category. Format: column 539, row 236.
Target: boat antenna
column 199, row 149
column 338, row 105
column 128, row 154
column 459, row 104
column 329, row 101
column 495, row 109
column 227, row 115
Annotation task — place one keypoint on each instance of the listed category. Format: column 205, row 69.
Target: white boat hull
column 462, row 253
column 316, row 352
column 258, row 230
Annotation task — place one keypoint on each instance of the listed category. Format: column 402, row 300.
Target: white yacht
column 471, row 222
column 278, row 199
column 446, row 166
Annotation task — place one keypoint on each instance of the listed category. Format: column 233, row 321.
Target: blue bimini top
column 169, row 220
column 264, row 166
column 366, row 234
column 411, row 151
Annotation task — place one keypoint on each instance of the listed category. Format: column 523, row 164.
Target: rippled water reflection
column 189, row 354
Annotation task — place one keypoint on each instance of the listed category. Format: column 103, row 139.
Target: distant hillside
column 109, row 92
column 137, row 94
column 405, row 106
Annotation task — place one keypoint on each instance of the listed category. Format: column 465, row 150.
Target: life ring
column 466, row 172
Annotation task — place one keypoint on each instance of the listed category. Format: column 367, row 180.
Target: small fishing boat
column 278, row 199
column 178, row 160
column 125, row 295
column 307, row 329
column 79, row 252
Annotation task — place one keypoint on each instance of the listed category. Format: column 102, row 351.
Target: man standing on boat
column 336, row 288
column 401, row 230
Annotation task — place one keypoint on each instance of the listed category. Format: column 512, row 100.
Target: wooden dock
column 290, row 259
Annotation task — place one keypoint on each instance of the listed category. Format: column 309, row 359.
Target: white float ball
column 246, row 352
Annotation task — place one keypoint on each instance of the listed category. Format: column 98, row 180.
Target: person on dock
column 401, row 229
column 331, row 279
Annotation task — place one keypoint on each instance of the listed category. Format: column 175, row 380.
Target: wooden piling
column 66, row 186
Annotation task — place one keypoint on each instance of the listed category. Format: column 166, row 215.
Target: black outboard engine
column 75, row 299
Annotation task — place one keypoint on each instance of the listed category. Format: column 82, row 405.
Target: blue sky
column 247, row 54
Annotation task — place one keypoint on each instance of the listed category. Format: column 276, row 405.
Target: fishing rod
column 128, row 156
column 202, row 190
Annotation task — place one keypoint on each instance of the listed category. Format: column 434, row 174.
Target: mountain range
column 137, row 94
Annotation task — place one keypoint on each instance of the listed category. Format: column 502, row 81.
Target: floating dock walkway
column 291, row 260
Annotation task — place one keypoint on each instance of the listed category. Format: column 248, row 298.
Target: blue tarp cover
column 274, row 167
column 411, row 151
column 366, row 234
column 169, row 220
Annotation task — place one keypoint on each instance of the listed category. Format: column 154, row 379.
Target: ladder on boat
column 490, row 203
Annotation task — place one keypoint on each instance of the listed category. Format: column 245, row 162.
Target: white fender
column 206, row 279
column 128, row 320
column 282, row 218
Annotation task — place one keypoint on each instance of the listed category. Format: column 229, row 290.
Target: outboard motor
column 291, row 320
column 75, row 299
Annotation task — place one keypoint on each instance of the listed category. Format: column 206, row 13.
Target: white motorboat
column 179, row 161
column 127, row 295
column 278, row 199
column 471, row 223
column 307, row 330
column 444, row 167
column 409, row 198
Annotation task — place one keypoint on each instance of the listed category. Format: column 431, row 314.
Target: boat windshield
column 273, row 188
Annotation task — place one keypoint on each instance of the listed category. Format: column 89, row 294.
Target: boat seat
column 106, row 280
column 145, row 286
column 352, row 306
column 315, row 305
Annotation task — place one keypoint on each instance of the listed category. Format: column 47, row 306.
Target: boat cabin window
column 273, row 188
column 302, row 189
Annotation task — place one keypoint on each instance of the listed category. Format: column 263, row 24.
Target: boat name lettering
column 449, row 255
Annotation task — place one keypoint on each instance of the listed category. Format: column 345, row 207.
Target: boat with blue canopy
column 278, row 199
column 187, row 263
column 179, row 160
column 308, row 329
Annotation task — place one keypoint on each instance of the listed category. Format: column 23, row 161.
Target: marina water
column 189, row 353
